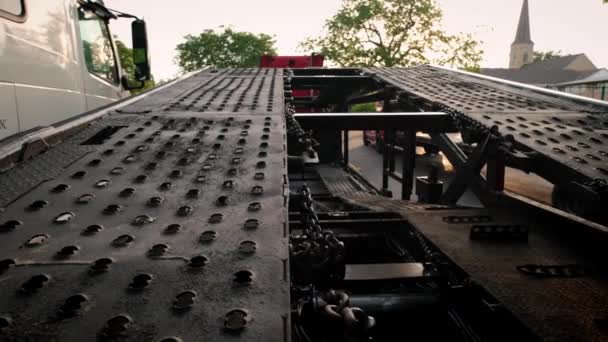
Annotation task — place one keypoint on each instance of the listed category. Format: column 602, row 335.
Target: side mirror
column 141, row 57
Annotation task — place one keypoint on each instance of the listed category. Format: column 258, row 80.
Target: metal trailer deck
column 168, row 224
column 167, row 217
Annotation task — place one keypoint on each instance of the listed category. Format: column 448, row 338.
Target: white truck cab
column 58, row 59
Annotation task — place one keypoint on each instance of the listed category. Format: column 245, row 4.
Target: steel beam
column 467, row 172
column 408, row 165
column 458, row 159
column 324, row 81
column 431, row 122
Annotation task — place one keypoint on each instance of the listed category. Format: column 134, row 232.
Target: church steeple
column 522, row 49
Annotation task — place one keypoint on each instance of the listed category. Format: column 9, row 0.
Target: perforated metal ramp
column 251, row 91
column 173, row 227
column 571, row 133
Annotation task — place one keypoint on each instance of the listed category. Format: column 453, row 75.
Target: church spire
column 523, row 29
column 522, row 49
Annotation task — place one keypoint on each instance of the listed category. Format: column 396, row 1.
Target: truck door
column 39, row 72
column 9, row 123
column 100, row 63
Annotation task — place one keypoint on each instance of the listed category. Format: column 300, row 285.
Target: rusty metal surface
column 172, row 227
column 572, row 133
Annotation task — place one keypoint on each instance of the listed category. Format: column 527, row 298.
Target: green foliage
column 369, row 107
column 223, row 49
column 125, row 56
column 393, row 33
column 540, row 56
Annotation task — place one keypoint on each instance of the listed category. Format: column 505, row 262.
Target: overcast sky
column 573, row 26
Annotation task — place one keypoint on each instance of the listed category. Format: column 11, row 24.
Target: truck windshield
column 98, row 52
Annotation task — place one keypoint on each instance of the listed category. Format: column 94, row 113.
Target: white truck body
column 42, row 56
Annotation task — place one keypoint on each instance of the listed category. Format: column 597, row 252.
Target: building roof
column 599, row 76
column 523, row 35
column 550, row 71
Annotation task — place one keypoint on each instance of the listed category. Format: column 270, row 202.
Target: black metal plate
column 251, row 91
column 571, row 133
column 104, row 304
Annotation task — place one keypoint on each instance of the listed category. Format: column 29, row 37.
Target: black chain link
column 316, row 254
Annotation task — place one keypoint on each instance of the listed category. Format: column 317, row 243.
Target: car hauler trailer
column 209, row 210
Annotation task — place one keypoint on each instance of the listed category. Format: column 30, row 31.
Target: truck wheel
column 366, row 142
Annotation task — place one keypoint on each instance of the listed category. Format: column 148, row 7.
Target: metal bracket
column 468, row 170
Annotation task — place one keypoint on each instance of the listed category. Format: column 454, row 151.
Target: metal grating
column 252, row 91
column 571, row 133
column 173, row 228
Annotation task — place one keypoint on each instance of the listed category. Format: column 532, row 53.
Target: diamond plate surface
column 251, row 91
column 174, row 227
column 571, row 133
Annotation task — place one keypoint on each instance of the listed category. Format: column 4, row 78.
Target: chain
column 356, row 321
column 298, row 137
column 317, row 254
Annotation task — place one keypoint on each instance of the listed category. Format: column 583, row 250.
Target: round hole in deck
column 37, row 205
column 79, row 174
column 184, row 210
column 123, row 240
column 92, row 229
column 235, row 320
column 158, row 250
column 101, row 265
column 141, row 178
column 10, row 225
column 155, row 201
column 166, row 186
column 60, row 188
column 173, row 228
column 243, row 277
column 63, row 217
column 36, row 240
column 117, row 171
column 72, row 304
column 102, row 183
column 198, row 261
column 193, row 193
column 117, row 325
column 127, row 192
column 35, row 283
column 247, row 247
column 252, row 224
column 68, row 251
column 142, row 220
column 140, row 281
column 208, row 236
column 216, row 218
column 95, row 162
column 579, row 160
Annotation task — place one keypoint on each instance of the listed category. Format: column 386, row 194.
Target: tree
column 540, row 56
column 125, row 56
column 393, row 33
column 223, row 49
